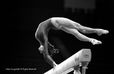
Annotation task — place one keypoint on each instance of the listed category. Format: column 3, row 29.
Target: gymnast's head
column 41, row 48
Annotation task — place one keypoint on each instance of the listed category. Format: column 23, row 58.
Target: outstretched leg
column 88, row 30
column 80, row 36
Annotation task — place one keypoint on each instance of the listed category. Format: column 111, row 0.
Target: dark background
column 22, row 19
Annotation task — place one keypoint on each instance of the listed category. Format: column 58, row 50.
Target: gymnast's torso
column 42, row 31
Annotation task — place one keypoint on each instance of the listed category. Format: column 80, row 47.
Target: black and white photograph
column 58, row 37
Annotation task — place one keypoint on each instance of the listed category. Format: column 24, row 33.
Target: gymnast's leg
column 89, row 30
column 80, row 36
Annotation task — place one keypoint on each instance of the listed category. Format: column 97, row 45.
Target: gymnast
column 67, row 25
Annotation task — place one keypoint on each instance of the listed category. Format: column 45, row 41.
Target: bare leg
column 80, row 36
column 88, row 30
column 64, row 22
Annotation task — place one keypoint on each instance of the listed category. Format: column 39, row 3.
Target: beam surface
column 68, row 65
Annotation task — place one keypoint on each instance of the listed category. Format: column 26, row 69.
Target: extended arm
column 47, row 56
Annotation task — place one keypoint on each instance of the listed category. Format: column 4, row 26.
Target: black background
column 22, row 19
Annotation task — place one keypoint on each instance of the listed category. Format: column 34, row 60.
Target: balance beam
column 84, row 55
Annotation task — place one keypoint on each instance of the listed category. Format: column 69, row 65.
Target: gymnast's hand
column 54, row 65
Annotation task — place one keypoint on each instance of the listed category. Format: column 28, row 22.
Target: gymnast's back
column 43, row 29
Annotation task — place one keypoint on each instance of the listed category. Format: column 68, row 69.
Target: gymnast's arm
column 48, row 59
column 43, row 40
column 44, row 49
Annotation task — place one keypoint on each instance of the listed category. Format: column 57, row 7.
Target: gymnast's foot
column 102, row 31
column 95, row 41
